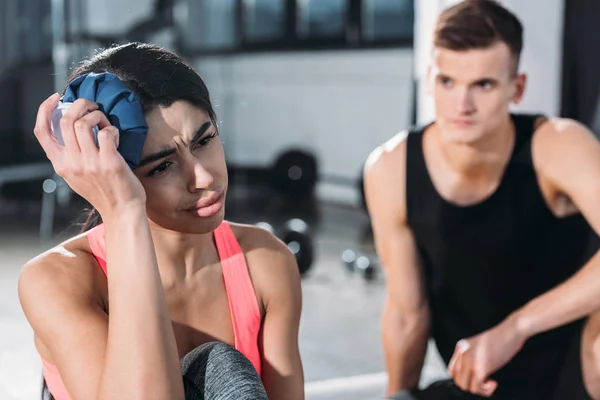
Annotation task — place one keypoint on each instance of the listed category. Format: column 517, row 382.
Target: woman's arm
column 277, row 280
column 139, row 359
column 128, row 354
column 60, row 298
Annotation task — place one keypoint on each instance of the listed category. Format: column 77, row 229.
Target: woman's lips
column 207, row 206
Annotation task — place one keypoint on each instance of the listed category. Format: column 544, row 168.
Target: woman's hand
column 98, row 174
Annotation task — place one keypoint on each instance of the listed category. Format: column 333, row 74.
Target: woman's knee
column 218, row 371
column 214, row 355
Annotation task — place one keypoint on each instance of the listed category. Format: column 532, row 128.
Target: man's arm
column 406, row 311
column 568, row 156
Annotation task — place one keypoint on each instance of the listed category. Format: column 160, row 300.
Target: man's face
column 472, row 91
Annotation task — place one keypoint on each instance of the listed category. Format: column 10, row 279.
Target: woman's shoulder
column 76, row 250
column 258, row 241
column 269, row 260
column 67, row 268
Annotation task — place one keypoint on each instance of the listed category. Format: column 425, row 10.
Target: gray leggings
column 215, row 371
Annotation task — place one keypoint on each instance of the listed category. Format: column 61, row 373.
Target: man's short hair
column 479, row 24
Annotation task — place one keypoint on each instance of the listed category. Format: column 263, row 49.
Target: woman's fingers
column 84, row 132
column 108, row 140
column 76, row 111
column 43, row 131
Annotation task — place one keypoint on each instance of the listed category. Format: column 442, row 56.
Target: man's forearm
column 575, row 298
column 405, row 344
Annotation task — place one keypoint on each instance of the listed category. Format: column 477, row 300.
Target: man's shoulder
column 560, row 136
column 388, row 155
column 558, row 125
column 385, row 177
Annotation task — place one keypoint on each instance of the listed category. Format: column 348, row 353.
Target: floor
column 340, row 325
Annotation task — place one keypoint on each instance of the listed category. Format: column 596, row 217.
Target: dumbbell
column 295, row 234
column 266, row 226
column 360, row 263
column 294, row 174
column 349, row 259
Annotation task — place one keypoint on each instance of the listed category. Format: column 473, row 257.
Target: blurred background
column 304, row 90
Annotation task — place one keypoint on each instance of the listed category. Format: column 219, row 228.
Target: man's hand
column 476, row 358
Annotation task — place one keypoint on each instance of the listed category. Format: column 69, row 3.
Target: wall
column 339, row 105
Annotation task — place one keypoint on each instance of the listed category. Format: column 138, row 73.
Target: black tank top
column 484, row 261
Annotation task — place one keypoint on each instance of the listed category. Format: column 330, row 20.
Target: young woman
column 157, row 275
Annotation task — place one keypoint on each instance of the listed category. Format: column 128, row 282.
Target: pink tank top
column 243, row 303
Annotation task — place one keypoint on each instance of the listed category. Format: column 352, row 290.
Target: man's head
column 474, row 75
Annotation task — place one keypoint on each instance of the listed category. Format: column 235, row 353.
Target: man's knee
column 594, row 352
column 591, row 341
column 590, row 352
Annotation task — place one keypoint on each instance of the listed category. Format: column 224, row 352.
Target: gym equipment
column 349, row 258
column 266, row 226
column 360, row 186
column 295, row 234
column 294, row 174
column 161, row 17
column 365, row 266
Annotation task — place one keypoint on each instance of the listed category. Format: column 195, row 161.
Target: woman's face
column 183, row 169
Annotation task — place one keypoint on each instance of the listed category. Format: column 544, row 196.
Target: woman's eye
column 160, row 168
column 205, row 140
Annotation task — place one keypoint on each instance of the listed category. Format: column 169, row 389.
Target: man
column 482, row 221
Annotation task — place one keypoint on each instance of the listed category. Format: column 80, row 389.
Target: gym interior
column 304, row 91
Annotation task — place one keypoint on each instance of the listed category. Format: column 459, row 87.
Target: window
column 322, row 18
column 264, row 20
column 213, row 26
column 219, row 23
column 388, row 19
column 209, row 24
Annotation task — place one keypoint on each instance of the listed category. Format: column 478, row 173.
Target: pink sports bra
column 243, row 303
